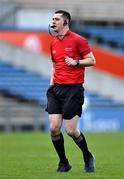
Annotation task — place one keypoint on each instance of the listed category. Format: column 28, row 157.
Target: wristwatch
column 77, row 63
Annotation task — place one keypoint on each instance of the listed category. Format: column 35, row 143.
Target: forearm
column 87, row 62
column 51, row 79
column 51, row 82
column 52, row 75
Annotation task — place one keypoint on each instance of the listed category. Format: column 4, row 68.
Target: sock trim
column 79, row 139
column 55, row 138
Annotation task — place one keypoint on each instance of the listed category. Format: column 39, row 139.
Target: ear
column 65, row 23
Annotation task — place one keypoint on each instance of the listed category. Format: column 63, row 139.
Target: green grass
column 30, row 155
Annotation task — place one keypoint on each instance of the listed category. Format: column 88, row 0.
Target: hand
column 70, row 62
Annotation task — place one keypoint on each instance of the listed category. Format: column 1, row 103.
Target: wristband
column 77, row 63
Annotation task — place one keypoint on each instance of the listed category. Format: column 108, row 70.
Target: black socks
column 82, row 144
column 58, row 142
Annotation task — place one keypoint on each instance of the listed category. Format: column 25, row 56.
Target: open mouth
column 53, row 26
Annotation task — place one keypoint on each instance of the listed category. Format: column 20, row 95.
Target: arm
column 88, row 60
column 52, row 73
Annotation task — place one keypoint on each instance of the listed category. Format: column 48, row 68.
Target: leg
column 55, row 118
column 58, row 141
column 79, row 139
column 56, row 136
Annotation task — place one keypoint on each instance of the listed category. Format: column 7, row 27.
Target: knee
column 54, row 129
column 70, row 132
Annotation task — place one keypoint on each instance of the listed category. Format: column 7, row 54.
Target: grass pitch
column 31, row 155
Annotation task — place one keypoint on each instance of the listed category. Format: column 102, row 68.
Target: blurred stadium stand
column 94, row 10
column 17, row 113
column 27, row 85
column 7, row 13
column 27, row 98
column 24, row 74
column 23, row 82
column 109, row 36
column 101, row 114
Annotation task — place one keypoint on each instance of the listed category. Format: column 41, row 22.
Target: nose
column 54, row 22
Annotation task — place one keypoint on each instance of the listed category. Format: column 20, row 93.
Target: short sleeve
column 83, row 46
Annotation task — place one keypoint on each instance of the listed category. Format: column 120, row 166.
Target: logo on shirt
column 68, row 49
column 54, row 52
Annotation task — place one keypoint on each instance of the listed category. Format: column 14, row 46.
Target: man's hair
column 66, row 15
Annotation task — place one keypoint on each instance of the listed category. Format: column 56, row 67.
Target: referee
column 70, row 54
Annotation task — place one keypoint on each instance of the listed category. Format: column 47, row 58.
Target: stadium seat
column 26, row 84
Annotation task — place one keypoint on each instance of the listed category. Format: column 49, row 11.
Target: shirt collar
column 68, row 33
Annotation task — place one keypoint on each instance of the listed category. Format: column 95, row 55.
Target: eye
column 57, row 19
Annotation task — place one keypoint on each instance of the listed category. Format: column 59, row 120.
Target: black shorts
column 66, row 100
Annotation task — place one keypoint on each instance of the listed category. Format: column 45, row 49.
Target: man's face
column 58, row 22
